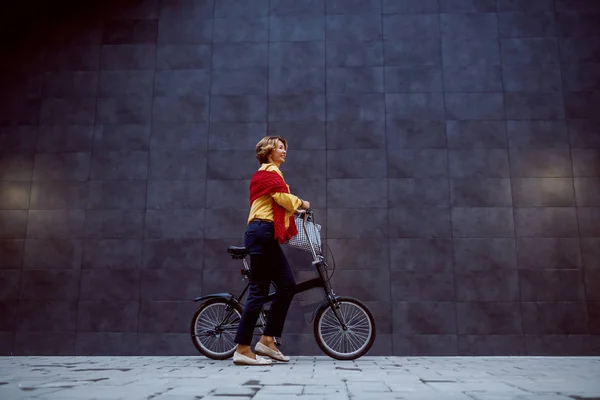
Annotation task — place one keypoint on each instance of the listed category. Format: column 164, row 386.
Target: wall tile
column 95, row 316
column 181, row 109
column 179, row 30
column 540, row 134
column 294, row 54
column 125, row 83
column 16, row 166
column 532, row 24
column 421, row 254
column 120, row 165
column 357, row 193
column 117, row 285
column 526, row 78
column 52, row 254
column 70, row 84
column 173, row 10
column 128, row 57
column 73, row 58
column 491, row 345
column 419, row 222
column 488, row 222
column 476, row 134
column 472, row 78
column 354, row 163
column 162, row 316
column 548, row 253
column 18, row 138
column 592, row 283
column 47, row 316
column 481, row 192
column 182, row 83
column 584, row 133
column 227, row 193
column 574, row 50
column 415, row 134
column 104, row 344
column 172, row 284
column 551, row 285
column 495, row 285
column 55, row 224
column 467, row 6
column 351, row 28
column 183, row 56
column 179, row 165
column 114, row 224
column 347, row 223
column 116, row 195
column 242, row 29
column 532, row 51
column 11, row 252
column 179, row 223
column 238, row 108
column 540, row 163
column 474, row 106
column 226, row 223
column 292, row 7
column 484, row 254
column 361, row 107
column 55, row 195
column 49, row 285
column 410, row 192
column 173, row 253
column 184, row 137
column 577, row 24
column 286, row 80
column 56, row 111
column 420, row 286
column 424, row 318
column 176, row 194
column 524, row 105
column 13, row 224
column 550, row 192
column 546, row 222
column 589, row 221
column 44, row 344
column 14, row 195
column 410, row 6
column 65, row 138
column 525, row 5
column 556, row 345
column 422, row 106
column 116, row 254
column 356, row 135
column 462, row 50
column 586, row 162
column 412, row 51
column 475, row 163
column 10, row 282
column 554, row 318
column 232, row 164
column 355, row 80
column 481, row 318
column 130, row 31
column 590, row 251
column 236, row 135
column 124, row 110
column 294, row 108
column 354, row 254
column 427, row 163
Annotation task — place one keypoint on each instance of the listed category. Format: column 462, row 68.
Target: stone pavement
column 308, row 378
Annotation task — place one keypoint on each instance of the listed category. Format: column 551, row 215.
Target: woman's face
column 278, row 154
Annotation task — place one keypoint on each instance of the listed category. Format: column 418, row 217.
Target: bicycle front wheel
column 352, row 342
column 214, row 326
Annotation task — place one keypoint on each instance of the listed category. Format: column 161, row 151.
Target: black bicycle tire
column 322, row 345
column 205, row 304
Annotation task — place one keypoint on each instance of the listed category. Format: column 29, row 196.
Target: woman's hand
column 305, row 205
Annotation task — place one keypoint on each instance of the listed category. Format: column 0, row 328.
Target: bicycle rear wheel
column 214, row 326
column 350, row 343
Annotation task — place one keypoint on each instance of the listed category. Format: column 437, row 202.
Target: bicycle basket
column 300, row 241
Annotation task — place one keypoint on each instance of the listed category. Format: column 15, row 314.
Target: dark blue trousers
column 268, row 264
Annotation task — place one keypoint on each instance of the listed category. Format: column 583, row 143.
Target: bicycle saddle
column 237, row 252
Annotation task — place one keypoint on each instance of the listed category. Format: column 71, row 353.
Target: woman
column 270, row 223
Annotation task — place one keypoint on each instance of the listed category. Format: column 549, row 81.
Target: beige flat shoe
column 266, row 351
column 240, row 359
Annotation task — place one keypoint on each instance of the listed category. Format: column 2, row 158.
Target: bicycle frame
column 320, row 281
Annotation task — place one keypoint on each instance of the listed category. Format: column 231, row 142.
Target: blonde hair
column 266, row 145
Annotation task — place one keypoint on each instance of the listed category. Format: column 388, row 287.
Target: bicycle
column 344, row 327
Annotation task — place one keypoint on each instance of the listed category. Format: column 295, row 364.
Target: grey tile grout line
column 387, row 180
column 512, row 192
column 448, row 179
column 89, row 179
column 575, row 196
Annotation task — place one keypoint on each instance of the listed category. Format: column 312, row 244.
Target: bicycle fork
column 330, row 295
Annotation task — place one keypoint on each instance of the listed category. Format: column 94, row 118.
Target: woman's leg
column 283, row 278
column 257, row 296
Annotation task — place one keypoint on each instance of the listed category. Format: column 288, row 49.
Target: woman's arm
column 288, row 201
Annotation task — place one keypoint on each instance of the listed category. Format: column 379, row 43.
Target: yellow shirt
column 262, row 207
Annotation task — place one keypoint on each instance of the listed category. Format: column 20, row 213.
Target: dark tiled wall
column 451, row 149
